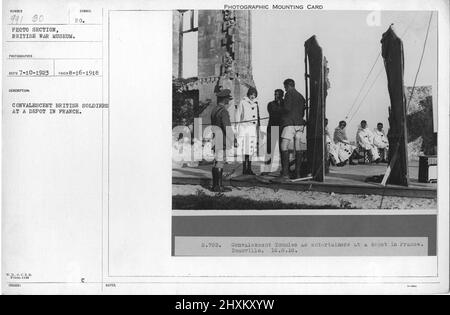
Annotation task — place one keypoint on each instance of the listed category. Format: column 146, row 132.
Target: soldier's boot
column 245, row 166
column 249, row 169
column 218, row 181
column 249, row 166
column 284, row 177
column 215, row 179
column 304, row 166
column 299, row 172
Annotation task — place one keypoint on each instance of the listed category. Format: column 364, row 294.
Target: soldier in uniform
column 293, row 125
column 274, row 108
column 221, row 119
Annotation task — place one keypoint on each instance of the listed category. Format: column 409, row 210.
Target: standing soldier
column 274, row 108
column 221, row 118
column 293, row 125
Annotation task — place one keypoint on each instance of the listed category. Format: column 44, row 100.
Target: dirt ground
column 305, row 199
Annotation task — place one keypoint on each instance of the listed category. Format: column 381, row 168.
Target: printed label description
column 301, row 246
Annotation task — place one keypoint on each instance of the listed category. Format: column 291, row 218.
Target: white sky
column 351, row 47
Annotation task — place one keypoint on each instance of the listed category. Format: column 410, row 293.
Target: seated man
column 364, row 138
column 341, row 150
column 381, row 142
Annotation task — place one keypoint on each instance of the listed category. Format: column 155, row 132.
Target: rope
column 373, row 66
column 412, row 93
column 240, row 122
column 420, row 62
column 363, row 85
column 365, row 96
column 246, row 121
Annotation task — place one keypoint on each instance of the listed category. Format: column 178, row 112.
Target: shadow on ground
column 223, row 202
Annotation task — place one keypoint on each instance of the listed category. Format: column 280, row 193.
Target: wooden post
column 393, row 55
column 324, row 108
column 315, row 126
column 306, row 85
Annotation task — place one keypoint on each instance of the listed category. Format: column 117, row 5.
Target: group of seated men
column 374, row 143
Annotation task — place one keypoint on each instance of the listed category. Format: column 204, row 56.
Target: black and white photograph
column 225, row 152
column 304, row 110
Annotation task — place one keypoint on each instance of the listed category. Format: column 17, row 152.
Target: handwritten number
column 16, row 19
column 37, row 18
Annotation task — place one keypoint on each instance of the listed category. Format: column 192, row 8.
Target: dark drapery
column 315, row 74
column 392, row 52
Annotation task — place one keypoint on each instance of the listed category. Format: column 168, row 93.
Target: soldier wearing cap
column 221, row 119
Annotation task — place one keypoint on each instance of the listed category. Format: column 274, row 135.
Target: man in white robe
column 364, row 138
column 340, row 148
column 381, row 141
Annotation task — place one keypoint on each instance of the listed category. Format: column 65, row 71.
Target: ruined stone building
column 224, row 58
